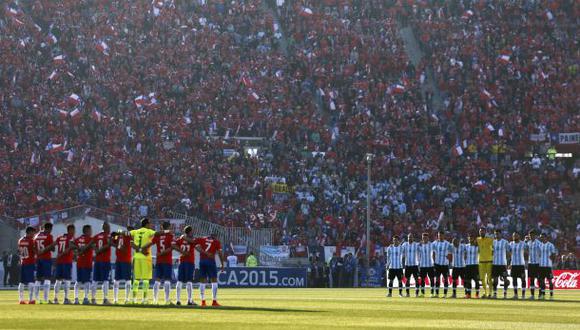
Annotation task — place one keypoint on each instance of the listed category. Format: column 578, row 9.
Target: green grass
column 303, row 308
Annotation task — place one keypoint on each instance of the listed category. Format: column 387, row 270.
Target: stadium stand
column 143, row 107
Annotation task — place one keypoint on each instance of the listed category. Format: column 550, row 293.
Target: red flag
column 504, row 59
column 305, row 12
column 485, row 95
column 467, row 15
column 97, row 116
column 397, row 89
column 63, row 114
column 103, row 48
column 58, row 59
column 457, row 151
column 74, row 99
column 52, row 75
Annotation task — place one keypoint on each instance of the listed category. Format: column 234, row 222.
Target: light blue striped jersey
column 546, row 251
column 425, row 255
column 442, row 250
column 534, row 251
column 501, row 248
column 518, row 250
column 411, row 253
column 471, row 254
column 458, row 260
column 395, row 257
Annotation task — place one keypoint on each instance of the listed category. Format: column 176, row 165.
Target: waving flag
column 58, row 59
column 97, row 116
column 74, row 99
column 504, row 59
column 305, row 12
column 103, row 48
column 52, row 75
column 467, row 14
column 457, row 151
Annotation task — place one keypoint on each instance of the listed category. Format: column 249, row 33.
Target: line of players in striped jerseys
column 93, row 262
column 433, row 260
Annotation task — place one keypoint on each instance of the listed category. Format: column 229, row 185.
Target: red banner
column 567, row 279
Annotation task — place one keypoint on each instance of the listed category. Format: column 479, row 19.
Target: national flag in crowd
column 97, row 116
column 58, row 59
column 63, row 114
column 52, row 75
column 247, row 81
column 397, row 89
column 305, row 12
column 467, row 14
column 52, row 39
column 457, row 151
column 486, row 95
column 74, row 99
column 504, row 59
column 75, row 116
column 54, row 148
column 12, row 12
column 489, row 127
column 103, row 48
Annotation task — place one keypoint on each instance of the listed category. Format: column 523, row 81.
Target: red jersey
column 84, row 260
column 185, row 246
column 163, row 242
column 209, row 247
column 123, row 248
column 101, row 239
column 26, row 250
column 63, row 243
column 42, row 240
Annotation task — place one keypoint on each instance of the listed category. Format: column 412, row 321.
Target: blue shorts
column 63, row 272
column 185, row 272
column 44, row 269
column 102, row 271
column 163, row 272
column 123, row 271
column 207, row 269
column 84, row 275
column 27, row 273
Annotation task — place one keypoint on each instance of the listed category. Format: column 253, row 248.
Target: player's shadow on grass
column 225, row 308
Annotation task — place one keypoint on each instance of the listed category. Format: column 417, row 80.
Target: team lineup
column 198, row 259
column 482, row 259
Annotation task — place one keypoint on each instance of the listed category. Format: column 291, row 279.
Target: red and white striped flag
column 103, row 48
column 52, row 75
column 58, row 59
column 457, row 151
column 467, row 14
column 97, row 116
column 74, row 99
column 305, row 12
column 63, row 114
column 504, row 59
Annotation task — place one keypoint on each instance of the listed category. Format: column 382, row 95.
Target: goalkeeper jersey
column 485, row 245
column 141, row 237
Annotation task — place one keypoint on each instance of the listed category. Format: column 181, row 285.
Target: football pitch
column 305, row 309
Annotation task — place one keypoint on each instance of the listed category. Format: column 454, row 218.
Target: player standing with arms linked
column 65, row 245
column 164, row 262
column 123, row 253
column 501, row 250
column 547, row 256
column 518, row 264
column 102, row 270
column 395, row 265
column 186, row 246
column 411, row 256
column 458, row 264
column 44, row 247
column 533, row 260
column 443, row 250
column 426, row 264
column 27, row 252
column 84, row 264
column 209, row 249
column 142, row 259
column 471, row 267
column 485, row 245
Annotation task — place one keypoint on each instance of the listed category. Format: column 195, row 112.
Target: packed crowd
column 133, row 107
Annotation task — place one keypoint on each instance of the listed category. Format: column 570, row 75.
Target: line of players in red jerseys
column 197, row 264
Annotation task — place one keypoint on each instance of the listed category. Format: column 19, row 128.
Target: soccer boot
column 178, row 303
column 22, row 302
column 93, row 301
column 203, row 303
column 86, row 301
column 454, row 295
column 215, row 304
column 77, row 301
column 55, row 301
column 191, row 303
column 66, row 301
column 389, row 295
column 468, row 296
column 531, row 297
column 32, row 302
column 106, row 302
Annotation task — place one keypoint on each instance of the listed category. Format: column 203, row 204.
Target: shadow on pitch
column 209, row 308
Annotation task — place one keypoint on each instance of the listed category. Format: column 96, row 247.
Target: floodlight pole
column 369, row 158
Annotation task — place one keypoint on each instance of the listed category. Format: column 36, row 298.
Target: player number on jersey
column 40, row 245
column 24, row 252
column 61, row 246
column 208, row 245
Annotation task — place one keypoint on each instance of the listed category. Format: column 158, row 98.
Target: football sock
column 66, row 289
column 21, row 292
column 46, row 290
column 86, row 288
column 37, row 290
column 214, row 289
column 93, row 290
column 202, row 291
column 178, row 288
column 156, row 290
column 189, row 288
column 135, row 288
column 127, row 289
column 145, row 289
column 57, row 285
column 76, row 290
column 31, row 291
column 167, row 287
column 105, row 289
column 115, row 290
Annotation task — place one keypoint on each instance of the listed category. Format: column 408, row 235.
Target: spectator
column 232, row 260
column 251, row 260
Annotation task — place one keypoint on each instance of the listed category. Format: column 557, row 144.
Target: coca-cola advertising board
column 567, row 279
